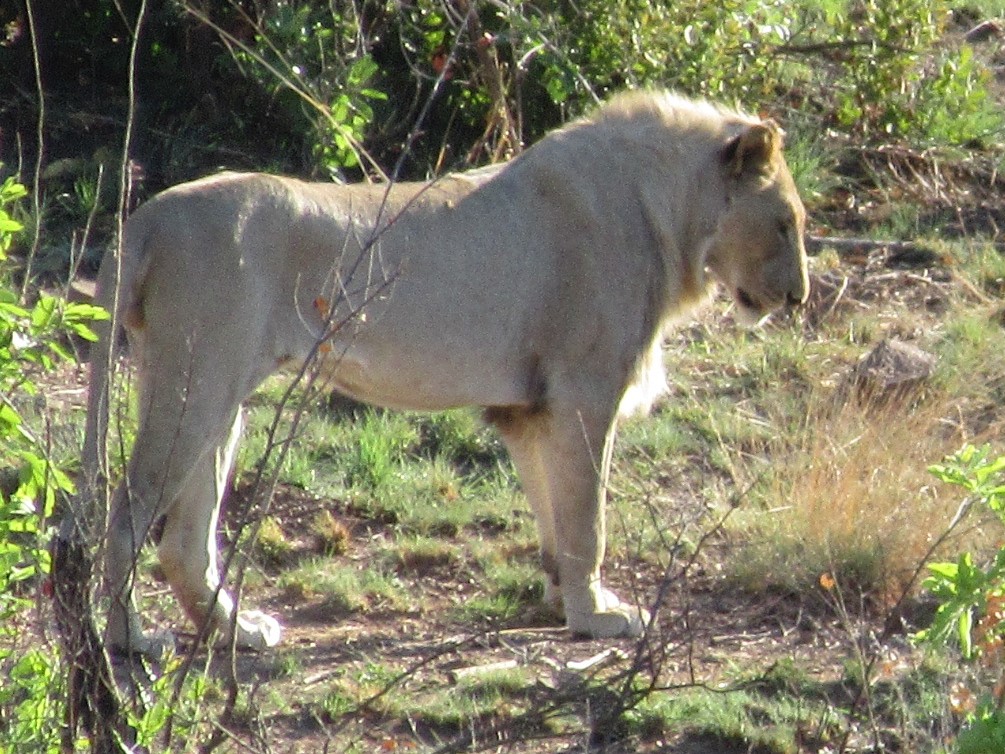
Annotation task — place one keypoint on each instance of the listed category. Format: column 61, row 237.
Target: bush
column 30, row 343
column 315, row 63
column 971, row 613
column 511, row 71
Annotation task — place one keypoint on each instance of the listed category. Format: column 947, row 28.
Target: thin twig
column 36, row 191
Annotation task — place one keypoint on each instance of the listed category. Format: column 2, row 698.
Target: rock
column 893, row 370
column 81, row 291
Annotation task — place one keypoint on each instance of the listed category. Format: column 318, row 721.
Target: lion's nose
column 799, row 288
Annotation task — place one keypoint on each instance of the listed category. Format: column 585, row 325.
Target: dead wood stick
column 816, row 244
column 478, row 670
column 601, row 658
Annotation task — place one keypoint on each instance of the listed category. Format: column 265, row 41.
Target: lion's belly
column 407, row 380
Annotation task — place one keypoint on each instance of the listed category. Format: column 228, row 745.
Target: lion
column 538, row 292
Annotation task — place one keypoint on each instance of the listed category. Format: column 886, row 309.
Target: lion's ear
column 754, row 151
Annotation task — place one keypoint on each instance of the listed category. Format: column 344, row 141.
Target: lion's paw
column 257, row 631
column 612, row 619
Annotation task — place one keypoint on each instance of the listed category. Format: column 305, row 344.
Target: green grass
column 272, row 547
column 429, row 474
column 730, row 721
column 485, row 698
column 987, row 8
column 810, row 160
column 372, row 686
column 785, row 708
column 331, row 537
column 344, row 588
column 510, row 583
column 496, row 695
column 418, row 555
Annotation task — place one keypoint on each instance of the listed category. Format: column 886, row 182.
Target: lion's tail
column 119, row 290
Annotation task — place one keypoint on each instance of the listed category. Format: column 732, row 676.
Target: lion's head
column 757, row 249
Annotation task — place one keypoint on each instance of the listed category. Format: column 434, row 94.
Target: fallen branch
column 477, row 670
column 816, row 244
column 598, row 660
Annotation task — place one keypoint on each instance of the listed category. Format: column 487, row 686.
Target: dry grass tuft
column 272, row 547
column 848, row 495
column 331, row 536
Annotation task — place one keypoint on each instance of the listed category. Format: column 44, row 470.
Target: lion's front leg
column 563, row 459
column 580, row 461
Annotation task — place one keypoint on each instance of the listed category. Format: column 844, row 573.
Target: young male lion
column 538, row 291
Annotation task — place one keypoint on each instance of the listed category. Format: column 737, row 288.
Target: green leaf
column 964, row 633
column 85, row 312
column 11, row 191
column 9, row 307
column 374, row 94
column 44, row 313
column 9, row 419
column 84, row 332
column 340, row 109
column 7, row 225
column 362, row 71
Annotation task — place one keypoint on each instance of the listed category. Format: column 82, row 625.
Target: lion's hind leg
column 163, row 456
column 175, row 474
column 129, row 525
column 188, row 554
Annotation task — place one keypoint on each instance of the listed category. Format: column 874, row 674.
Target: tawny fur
column 539, row 291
